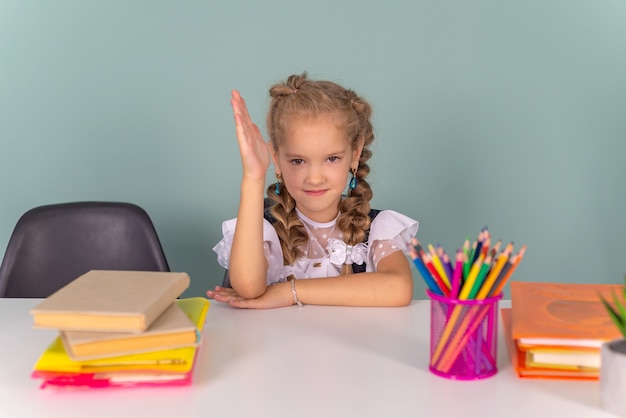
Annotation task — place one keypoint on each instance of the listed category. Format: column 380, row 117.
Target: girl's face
column 315, row 160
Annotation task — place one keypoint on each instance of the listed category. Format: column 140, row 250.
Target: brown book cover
column 561, row 314
column 110, row 300
column 173, row 329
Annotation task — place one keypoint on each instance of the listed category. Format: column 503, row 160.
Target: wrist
column 253, row 182
column 294, row 293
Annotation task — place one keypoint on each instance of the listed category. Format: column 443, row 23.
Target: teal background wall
column 498, row 113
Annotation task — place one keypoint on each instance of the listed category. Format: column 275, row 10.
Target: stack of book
column 120, row 328
column 556, row 330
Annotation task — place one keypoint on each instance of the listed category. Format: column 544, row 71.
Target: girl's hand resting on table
column 275, row 296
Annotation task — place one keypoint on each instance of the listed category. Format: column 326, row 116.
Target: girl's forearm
column 248, row 265
column 363, row 289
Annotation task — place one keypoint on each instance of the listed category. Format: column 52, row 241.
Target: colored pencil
column 447, row 266
column 467, row 255
column 430, row 282
column 482, row 273
column 484, row 250
column 479, row 244
column 504, row 276
column 439, row 266
column 457, row 274
column 494, row 272
column 471, row 278
column 429, row 265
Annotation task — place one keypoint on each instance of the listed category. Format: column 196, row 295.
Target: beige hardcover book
column 110, row 300
column 173, row 329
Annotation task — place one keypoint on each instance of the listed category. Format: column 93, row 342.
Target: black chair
column 52, row 245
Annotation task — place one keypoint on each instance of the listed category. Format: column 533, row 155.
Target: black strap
column 360, row 268
column 356, row 268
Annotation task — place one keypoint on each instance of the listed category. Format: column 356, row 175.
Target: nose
column 315, row 175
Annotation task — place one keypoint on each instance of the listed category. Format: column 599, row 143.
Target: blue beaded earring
column 352, row 184
column 278, row 176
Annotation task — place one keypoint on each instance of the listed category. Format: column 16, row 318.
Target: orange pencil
column 515, row 260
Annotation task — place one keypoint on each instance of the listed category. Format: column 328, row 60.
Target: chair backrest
column 54, row 244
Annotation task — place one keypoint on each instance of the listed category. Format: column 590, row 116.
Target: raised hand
column 255, row 152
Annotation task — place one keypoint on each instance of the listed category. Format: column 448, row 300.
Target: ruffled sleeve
column 390, row 231
column 271, row 247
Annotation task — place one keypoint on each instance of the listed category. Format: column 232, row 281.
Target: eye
column 334, row 159
column 297, row 161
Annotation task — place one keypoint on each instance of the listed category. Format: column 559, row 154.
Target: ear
column 356, row 155
column 274, row 155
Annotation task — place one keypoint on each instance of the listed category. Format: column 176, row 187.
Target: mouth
column 315, row 192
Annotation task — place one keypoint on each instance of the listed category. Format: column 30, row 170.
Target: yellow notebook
column 55, row 357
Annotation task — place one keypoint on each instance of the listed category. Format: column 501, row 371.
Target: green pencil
column 484, row 269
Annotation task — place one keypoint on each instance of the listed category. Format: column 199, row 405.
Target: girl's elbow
column 248, row 290
column 404, row 293
column 405, row 298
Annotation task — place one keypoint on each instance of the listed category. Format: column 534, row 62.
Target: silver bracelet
column 294, row 294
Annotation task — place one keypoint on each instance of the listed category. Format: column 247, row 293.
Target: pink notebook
column 111, row 380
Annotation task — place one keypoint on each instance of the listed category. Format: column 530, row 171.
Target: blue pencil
column 430, row 282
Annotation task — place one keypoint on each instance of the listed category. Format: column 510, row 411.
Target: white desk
column 295, row 362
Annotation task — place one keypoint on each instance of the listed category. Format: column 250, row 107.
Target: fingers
column 223, row 294
column 231, row 298
column 244, row 304
column 239, row 105
column 245, row 128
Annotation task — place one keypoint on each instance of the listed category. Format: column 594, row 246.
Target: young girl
column 320, row 135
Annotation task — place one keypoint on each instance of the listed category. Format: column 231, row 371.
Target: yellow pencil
column 471, row 278
column 439, row 266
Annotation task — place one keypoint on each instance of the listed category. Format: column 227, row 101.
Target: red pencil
column 428, row 262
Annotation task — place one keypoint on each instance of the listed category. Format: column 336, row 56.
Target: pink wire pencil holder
column 463, row 337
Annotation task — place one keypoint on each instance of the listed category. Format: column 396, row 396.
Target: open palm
column 255, row 152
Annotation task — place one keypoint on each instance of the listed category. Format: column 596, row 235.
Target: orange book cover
column 518, row 358
column 561, row 314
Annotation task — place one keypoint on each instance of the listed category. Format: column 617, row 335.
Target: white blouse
column 325, row 252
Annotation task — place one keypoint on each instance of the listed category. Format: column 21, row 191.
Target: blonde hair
column 299, row 96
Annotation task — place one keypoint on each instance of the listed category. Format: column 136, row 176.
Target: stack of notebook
column 120, row 328
column 556, row 330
